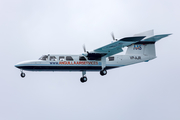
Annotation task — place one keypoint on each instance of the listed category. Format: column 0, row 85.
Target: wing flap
column 117, row 46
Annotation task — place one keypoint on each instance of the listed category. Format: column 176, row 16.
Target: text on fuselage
column 75, row 63
column 135, row 57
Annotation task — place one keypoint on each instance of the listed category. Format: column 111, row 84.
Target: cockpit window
column 82, row 58
column 53, row 58
column 69, row 58
column 44, row 57
column 111, row 58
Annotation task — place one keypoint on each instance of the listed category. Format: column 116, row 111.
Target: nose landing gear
column 23, row 74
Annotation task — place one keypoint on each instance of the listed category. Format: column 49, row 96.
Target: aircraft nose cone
column 20, row 65
column 17, row 65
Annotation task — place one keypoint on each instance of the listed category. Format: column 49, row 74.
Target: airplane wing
column 150, row 37
column 116, row 47
column 113, row 48
column 155, row 38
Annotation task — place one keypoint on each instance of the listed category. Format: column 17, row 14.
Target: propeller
column 92, row 56
column 85, row 52
column 112, row 34
column 84, row 48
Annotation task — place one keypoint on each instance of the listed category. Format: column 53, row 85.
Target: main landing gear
column 103, row 72
column 23, row 74
column 83, row 78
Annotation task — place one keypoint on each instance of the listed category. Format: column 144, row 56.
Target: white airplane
column 141, row 48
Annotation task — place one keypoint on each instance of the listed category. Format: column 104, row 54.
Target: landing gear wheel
column 23, row 75
column 103, row 72
column 83, row 79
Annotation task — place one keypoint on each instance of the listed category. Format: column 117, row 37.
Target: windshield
column 44, row 57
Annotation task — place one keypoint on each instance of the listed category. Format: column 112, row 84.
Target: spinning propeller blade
column 112, row 34
column 84, row 48
column 85, row 52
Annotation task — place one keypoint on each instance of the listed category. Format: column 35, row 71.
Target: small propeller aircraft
column 140, row 48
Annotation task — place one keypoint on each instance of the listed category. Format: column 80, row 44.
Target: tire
column 83, row 79
column 103, row 72
column 23, row 75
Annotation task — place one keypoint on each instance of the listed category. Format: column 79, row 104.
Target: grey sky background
column 144, row 91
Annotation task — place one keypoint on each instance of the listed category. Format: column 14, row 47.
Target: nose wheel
column 23, row 74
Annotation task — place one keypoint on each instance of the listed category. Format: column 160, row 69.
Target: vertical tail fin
column 142, row 49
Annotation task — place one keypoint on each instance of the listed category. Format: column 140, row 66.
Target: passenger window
column 53, row 58
column 61, row 58
column 82, row 58
column 69, row 58
column 111, row 58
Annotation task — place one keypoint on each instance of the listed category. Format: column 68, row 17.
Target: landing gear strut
column 23, row 74
column 83, row 78
column 103, row 72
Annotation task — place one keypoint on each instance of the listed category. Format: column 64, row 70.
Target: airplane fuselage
column 79, row 63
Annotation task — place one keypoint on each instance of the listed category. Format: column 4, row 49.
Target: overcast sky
column 144, row 91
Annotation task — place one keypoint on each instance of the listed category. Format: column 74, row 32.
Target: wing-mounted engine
column 92, row 55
